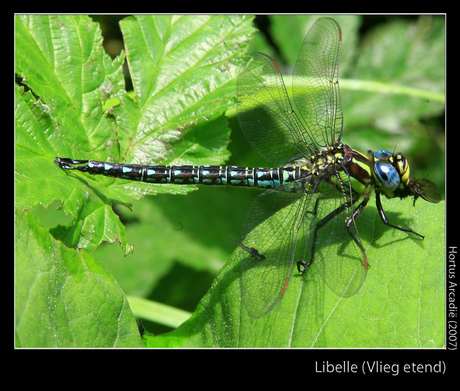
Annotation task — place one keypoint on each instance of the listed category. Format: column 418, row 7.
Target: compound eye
column 382, row 154
column 387, row 175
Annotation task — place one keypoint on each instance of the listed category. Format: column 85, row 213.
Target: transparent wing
column 278, row 218
column 336, row 250
column 315, row 82
column 265, row 113
column 289, row 226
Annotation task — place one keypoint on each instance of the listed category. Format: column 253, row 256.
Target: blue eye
column 387, row 175
column 382, row 154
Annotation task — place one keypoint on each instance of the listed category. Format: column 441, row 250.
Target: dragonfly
column 286, row 226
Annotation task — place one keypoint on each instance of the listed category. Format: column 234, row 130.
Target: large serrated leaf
column 62, row 61
column 183, row 70
column 176, row 115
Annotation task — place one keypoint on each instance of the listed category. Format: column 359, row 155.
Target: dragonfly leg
column 351, row 220
column 302, row 265
column 251, row 250
column 314, row 212
column 385, row 220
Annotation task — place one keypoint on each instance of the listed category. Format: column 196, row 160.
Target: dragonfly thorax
column 321, row 162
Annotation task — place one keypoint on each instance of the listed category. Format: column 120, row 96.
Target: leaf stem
column 368, row 85
column 157, row 312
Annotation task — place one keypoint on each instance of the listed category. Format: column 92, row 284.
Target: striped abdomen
column 189, row 175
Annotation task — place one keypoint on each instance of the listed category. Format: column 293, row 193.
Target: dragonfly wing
column 337, row 251
column 264, row 280
column 265, row 113
column 315, row 82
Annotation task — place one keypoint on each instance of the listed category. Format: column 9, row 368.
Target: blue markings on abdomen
column 267, row 178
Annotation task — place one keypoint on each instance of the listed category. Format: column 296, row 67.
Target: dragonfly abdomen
column 268, row 178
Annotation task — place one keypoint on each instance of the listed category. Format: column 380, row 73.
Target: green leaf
column 402, row 53
column 183, row 69
column 65, row 298
column 62, row 61
column 191, row 239
column 401, row 304
column 75, row 105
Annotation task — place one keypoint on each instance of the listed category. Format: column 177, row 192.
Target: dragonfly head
column 391, row 173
